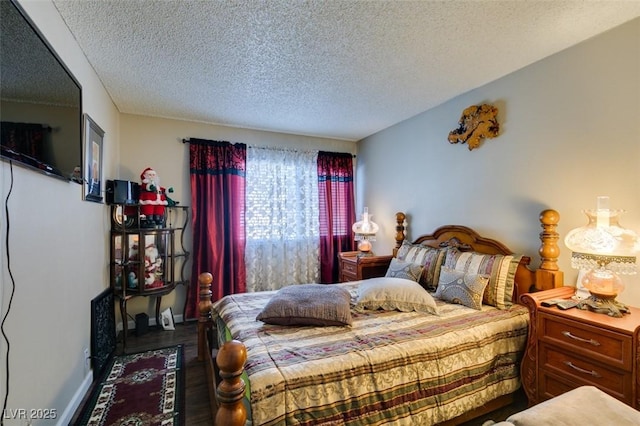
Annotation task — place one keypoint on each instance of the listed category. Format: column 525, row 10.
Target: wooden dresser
column 570, row 348
column 353, row 268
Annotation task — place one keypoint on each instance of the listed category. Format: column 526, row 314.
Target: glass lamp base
column 364, row 248
column 604, row 305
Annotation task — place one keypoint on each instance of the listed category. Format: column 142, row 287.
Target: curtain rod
column 186, row 140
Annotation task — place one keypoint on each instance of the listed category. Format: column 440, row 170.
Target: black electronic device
column 122, row 192
column 142, row 324
column 41, row 107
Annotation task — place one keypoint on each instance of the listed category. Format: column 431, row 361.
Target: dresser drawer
column 349, row 268
column 552, row 385
column 595, row 343
column 584, row 371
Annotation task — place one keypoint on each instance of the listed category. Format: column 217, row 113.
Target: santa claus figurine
column 152, row 267
column 152, row 199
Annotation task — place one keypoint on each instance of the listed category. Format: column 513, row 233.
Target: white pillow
column 394, row 294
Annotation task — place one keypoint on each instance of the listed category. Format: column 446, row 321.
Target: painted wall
column 58, row 250
column 157, row 143
column 570, row 131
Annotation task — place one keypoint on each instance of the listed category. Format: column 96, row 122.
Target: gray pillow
column 308, row 304
column 461, row 288
column 401, row 269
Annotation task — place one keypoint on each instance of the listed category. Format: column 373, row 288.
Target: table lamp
column 605, row 250
column 365, row 232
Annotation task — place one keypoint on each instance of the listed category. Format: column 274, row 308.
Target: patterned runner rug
column 145, row 388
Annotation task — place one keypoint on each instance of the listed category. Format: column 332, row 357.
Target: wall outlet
column 87, row 360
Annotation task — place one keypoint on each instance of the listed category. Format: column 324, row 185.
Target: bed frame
column 226, row 398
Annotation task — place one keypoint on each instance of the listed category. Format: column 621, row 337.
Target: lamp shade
column 603, row 242
column 603, row 249
column 365, row 231
column 365, row 227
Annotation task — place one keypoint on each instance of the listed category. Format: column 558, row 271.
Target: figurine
column 152, row 267
column 76, row 175
column 152, row 200
column 132, row 278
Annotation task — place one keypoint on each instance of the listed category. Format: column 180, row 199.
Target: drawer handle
column 580, row 339
column 582, row 370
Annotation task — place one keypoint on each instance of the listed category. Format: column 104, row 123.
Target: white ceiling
column 330, row 68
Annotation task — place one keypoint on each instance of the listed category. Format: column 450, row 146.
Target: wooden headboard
column 545, row 277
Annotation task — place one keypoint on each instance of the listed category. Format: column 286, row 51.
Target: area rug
column 145, row 388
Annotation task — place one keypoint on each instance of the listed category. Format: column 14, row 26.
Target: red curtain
column 217, row 171
column 337, row 210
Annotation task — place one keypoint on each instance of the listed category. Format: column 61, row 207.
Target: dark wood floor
column 196, row 394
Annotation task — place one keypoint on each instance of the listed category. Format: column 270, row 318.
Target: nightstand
column 354, row 268
column 570, row 348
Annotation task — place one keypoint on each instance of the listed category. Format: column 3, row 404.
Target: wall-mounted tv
column 40, row 100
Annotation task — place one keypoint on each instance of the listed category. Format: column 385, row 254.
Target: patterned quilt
column 387, row 368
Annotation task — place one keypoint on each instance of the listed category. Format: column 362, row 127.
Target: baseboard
column 131, row 325
column 67, row 415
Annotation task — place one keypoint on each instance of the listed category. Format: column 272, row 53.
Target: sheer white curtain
column 281, row 217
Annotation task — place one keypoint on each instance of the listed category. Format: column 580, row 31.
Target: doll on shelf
column 152, row 267
column 153, row 199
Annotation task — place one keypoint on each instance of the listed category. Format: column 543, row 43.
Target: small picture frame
column 93, row 142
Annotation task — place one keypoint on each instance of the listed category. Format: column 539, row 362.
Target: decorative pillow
column 433, row 261
column 394, row 294
column 430, row 258
column 500, row 269
column 413, row 253
column 461, row 288
column 401, row 269
column 308, row 304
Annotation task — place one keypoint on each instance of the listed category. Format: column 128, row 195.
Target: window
column 281, row 218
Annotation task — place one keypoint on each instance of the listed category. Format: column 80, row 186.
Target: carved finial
column 204, row 307
column 400, row 218
column 204, row 304
column 549, row 250
column 230, row 392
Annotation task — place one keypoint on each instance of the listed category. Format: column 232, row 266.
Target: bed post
column 400, row 217
column 230, row 360
column 548, row 275
column 204, row 320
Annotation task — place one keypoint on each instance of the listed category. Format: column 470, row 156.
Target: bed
column 400, row 357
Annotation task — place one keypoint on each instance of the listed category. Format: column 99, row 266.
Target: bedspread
column 387, row 368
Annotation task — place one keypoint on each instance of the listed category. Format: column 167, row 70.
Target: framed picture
column 93, row 141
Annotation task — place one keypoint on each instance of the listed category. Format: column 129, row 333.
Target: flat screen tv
column 40, row 100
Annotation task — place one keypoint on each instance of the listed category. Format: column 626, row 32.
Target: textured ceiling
column 330, row 68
